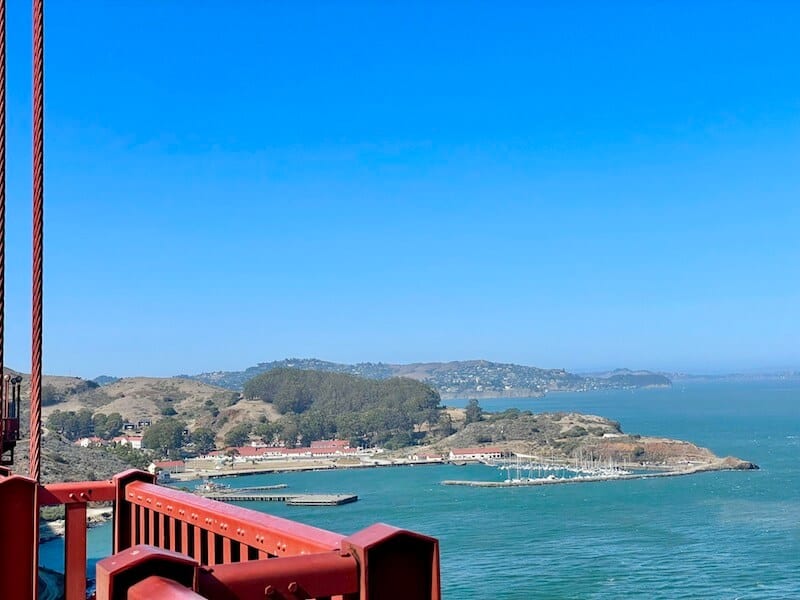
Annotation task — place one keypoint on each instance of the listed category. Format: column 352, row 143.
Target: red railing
column 173, row 544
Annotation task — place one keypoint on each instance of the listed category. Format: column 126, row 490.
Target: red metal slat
column 162, row 533
column 173, row 538
column 151, row 527
column 198, row 544
column 185, row 538
column 141, row 519
column 135, row 537
column 227, row 551
column 211, row 539
column 75, row 549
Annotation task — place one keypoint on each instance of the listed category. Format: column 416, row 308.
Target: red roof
column 251, row 450
column 168, row 464
column 333, row 444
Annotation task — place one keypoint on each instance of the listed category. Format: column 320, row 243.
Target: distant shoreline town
column 458, row 379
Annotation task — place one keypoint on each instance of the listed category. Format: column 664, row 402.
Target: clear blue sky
column 580, row 185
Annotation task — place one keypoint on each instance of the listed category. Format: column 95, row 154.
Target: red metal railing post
column 395, row 564
column 75, row 549
column 19, row 536
column 124, row 524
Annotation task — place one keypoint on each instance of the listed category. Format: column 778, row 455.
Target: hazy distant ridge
column 472, row 378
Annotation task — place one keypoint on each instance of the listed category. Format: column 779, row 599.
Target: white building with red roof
column 486, row 453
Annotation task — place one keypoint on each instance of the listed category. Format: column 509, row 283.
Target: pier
column 289, row 499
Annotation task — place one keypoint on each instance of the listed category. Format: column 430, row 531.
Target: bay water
column 710, row 535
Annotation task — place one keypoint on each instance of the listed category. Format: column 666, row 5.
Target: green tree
column 238, row 435
column 85, row 423
column 164, row 436
column 203, row 440
column 114, row 424
column 267, row 431
column 474, row 411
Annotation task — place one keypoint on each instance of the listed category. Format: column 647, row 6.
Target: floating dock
column 262, row 488
column 289, row 499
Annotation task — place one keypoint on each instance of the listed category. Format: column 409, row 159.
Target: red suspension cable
column 2, row 194
column 38, row 239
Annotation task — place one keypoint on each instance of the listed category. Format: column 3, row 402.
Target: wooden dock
column 289, row 499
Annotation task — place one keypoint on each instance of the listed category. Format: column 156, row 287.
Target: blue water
column 713, row 535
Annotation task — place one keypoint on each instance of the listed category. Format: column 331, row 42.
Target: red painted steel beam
column 274, row 535
column 77, row 492
column 19, row 537
column 156, row 588
column 310, row 576
column 75, row 552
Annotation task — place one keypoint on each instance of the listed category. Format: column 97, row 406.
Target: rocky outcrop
column 737, row 464
column 575, row 436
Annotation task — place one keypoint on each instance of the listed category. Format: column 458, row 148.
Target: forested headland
column 318, row 405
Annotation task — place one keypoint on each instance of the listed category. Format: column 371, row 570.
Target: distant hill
column 152, row 398
column 458, row 379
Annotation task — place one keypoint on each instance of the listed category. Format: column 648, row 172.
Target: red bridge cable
column 2, row 194
column 38, row 239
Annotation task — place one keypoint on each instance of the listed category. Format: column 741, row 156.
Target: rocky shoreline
column 54, row 529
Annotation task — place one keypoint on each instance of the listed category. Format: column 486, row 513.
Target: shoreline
column 708, row 468
column 55, row 529
column 720, row 464
column 52, row 530
column 302, row 466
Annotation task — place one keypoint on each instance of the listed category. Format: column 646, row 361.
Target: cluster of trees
column 83, row 423
column 169, row 437
column 318, row 405
column 474, row 412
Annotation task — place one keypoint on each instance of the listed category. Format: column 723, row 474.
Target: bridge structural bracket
column 118, row 573
column 395, row 564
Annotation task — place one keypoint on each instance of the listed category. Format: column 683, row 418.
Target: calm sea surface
column 713, row 535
